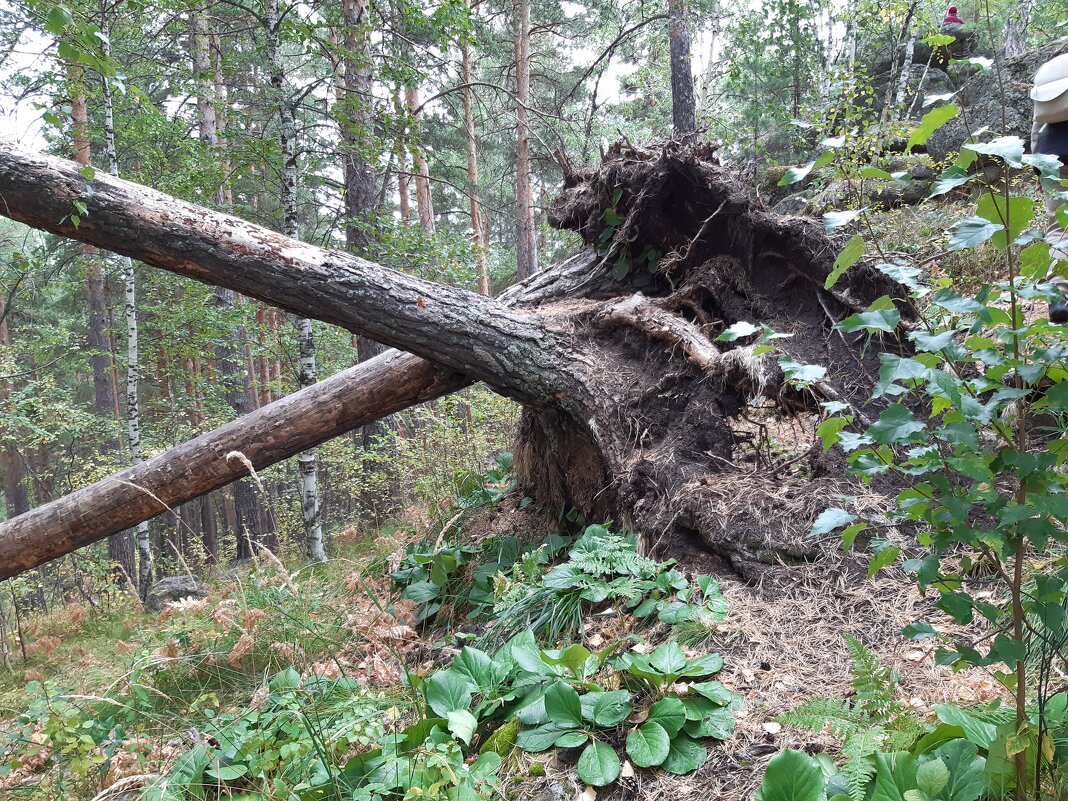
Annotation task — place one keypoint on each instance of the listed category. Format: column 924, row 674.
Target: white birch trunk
column 133, row 364
column 708, row 80
column 906, row 71
column 287, row 144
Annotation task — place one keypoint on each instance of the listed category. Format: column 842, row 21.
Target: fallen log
column 355, row 397
column 482, row 338
column 628, row 391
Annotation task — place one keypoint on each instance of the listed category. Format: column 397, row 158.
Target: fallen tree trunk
column 352, row 398
column 509, row 349
column 629, row 393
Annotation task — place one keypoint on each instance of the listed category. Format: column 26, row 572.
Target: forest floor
column 782, row 642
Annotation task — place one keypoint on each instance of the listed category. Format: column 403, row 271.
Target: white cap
column 1051, row 80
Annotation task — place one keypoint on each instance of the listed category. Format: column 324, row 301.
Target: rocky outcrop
column 996, row 104
column 912, row 188
column 173, row 588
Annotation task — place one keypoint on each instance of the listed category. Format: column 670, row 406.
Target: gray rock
column 922, row 81
column 980, row 98
column 767, row 184
column 793, row 205
column 173, row 588
column 892, row 195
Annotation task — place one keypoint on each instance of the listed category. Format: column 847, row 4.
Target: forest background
column 428, row 138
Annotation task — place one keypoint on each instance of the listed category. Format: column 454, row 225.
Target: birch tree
column 133, row 363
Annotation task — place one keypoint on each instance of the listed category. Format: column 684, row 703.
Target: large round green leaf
column 648, row 745
column 562, row 705
column 540, row 738
column 685, row 755
column 792, row 776
column 571, row 739
column 610, row 708
column 599, row 764
column 447, row 691
column 669, row 713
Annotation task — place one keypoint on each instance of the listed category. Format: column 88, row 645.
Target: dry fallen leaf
column 627, row 771
column 772, row 728
column 589, row 794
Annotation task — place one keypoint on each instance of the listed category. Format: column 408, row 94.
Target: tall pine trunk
column 683, row 105
column 356, row 120
column 16, row 495
column 248, row 519
column 120, row 546
column 424, row 199
column 478, row 231
column 404, row 197
column 525, row 242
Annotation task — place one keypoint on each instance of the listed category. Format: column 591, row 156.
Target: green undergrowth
column 314, row 683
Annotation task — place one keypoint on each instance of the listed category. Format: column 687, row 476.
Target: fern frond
column 859, row 749
column 858, row 772
column 610, row 555
column 874, row 685
column 904, row 729
column 818, row 714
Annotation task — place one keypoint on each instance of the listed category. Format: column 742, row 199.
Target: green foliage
column 792, row 776
column 873, row 720
column 982, row 484
column 560, row 700
column 601, row 568
column 286, row 745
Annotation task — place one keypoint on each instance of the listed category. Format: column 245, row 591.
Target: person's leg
column 1058, row 253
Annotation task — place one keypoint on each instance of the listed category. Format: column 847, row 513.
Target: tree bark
column 300, row 420
column 525, row 239
column 120, row 546
column 906, row 72
column 251, row 524
column 404, row 200
column 16, row 494
column 356, row 122
column 683, row 105
column 133, row 362
column 424, row 198
column 708, row 79
column 511, row 350
column 307, row 375
column 478, row 231
column 1015, row 35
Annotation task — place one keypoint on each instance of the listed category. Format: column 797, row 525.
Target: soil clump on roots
column 673, row 438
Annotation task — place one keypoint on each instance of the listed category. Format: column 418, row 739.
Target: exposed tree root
column 659, row 444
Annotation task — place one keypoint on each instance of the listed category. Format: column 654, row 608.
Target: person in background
column 1049, row 135
column 952, row 18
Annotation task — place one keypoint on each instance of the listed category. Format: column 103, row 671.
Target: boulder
column 767, row 184
column 922, row 81
column 173, row 588
column 796, row 205
column 981, row 100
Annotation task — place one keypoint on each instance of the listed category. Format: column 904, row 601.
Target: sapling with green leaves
column 972, row 423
